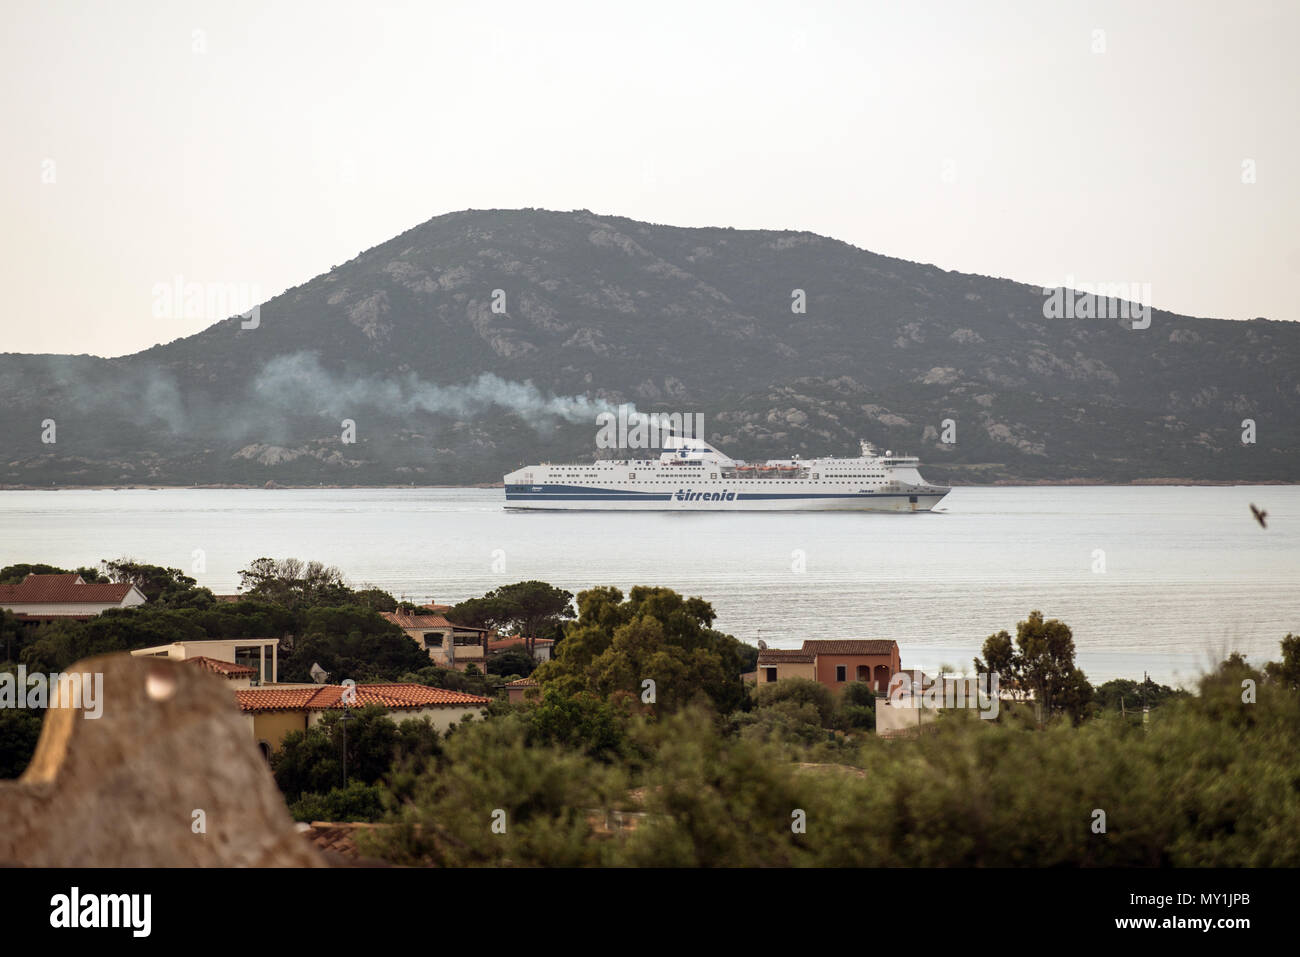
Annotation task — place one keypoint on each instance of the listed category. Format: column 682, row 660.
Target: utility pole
column 344, row 721
column 1146, row 712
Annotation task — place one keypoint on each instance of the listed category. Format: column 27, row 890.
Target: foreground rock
column 167, row 776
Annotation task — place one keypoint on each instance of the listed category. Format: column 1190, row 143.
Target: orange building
column 834, row 662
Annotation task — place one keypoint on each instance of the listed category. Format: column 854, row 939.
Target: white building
column 260, row 654
column 51, row 597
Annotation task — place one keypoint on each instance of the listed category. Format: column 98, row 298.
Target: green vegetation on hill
column 1210, row 781
column 601, row 310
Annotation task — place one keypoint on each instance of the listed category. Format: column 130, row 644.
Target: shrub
column 356, row 802
column 800, row 691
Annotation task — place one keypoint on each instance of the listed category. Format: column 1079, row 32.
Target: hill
column 594, row 311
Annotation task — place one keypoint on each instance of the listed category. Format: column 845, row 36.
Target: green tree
column 1287, row 671
column 583, row 721
column 801, row 691
column 14, row 574
column 497, row 799
column 375, row 599
column 1000, row 657
column 14, row 635
column 512, row 661
column 58, row 645
column 655, row 635
column 294, row 583
column 449, row 678
column 168, row 587
column 534, row 609
column 1129, row 696
column 20, row 729
column 856, row 707
column 311, row 761
column 713, row 801
column 1042, row 663
column 356, row 802
column 351, row 642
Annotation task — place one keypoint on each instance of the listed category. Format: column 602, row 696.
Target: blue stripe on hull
column 578, row 493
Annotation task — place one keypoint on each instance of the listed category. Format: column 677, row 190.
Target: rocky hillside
column 481, row 340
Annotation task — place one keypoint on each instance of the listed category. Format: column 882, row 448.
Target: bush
column 512, row 661
column 496, row 799
column 798, row 691
column 356, row 802
column 311, row 761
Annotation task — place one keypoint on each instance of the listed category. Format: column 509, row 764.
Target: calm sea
column 1156, row 579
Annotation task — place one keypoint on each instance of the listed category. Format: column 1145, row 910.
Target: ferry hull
column 535, row 498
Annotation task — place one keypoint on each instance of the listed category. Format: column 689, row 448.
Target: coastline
column 1002, row 483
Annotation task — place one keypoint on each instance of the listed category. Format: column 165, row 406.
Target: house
column 259, row 655
column 273, row 712
column 833, row 662
column 542, row 647
column 777, row 663
column 43, row 598
column 522, row 689
column 448, row 644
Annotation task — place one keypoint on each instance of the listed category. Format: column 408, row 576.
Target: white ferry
column 691, row 474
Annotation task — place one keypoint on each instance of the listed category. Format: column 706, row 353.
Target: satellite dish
column 318, row 674
column 762, row 645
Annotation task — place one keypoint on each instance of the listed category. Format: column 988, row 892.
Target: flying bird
column 1259, row 515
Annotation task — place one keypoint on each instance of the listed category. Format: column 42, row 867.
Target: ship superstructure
column 691, row 474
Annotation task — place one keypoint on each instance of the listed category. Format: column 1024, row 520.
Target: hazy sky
column 260, row 144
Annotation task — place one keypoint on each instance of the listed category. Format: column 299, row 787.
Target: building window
column 769, row 674
column 840, row 672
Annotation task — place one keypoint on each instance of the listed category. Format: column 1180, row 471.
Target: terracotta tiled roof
column 330, row 697
column 227, row 669
column 62, row 589
column 516, row 641
column 403, row 620
column 784, row 656
column 850, row 646
column 522, row 683
column 338, row 840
